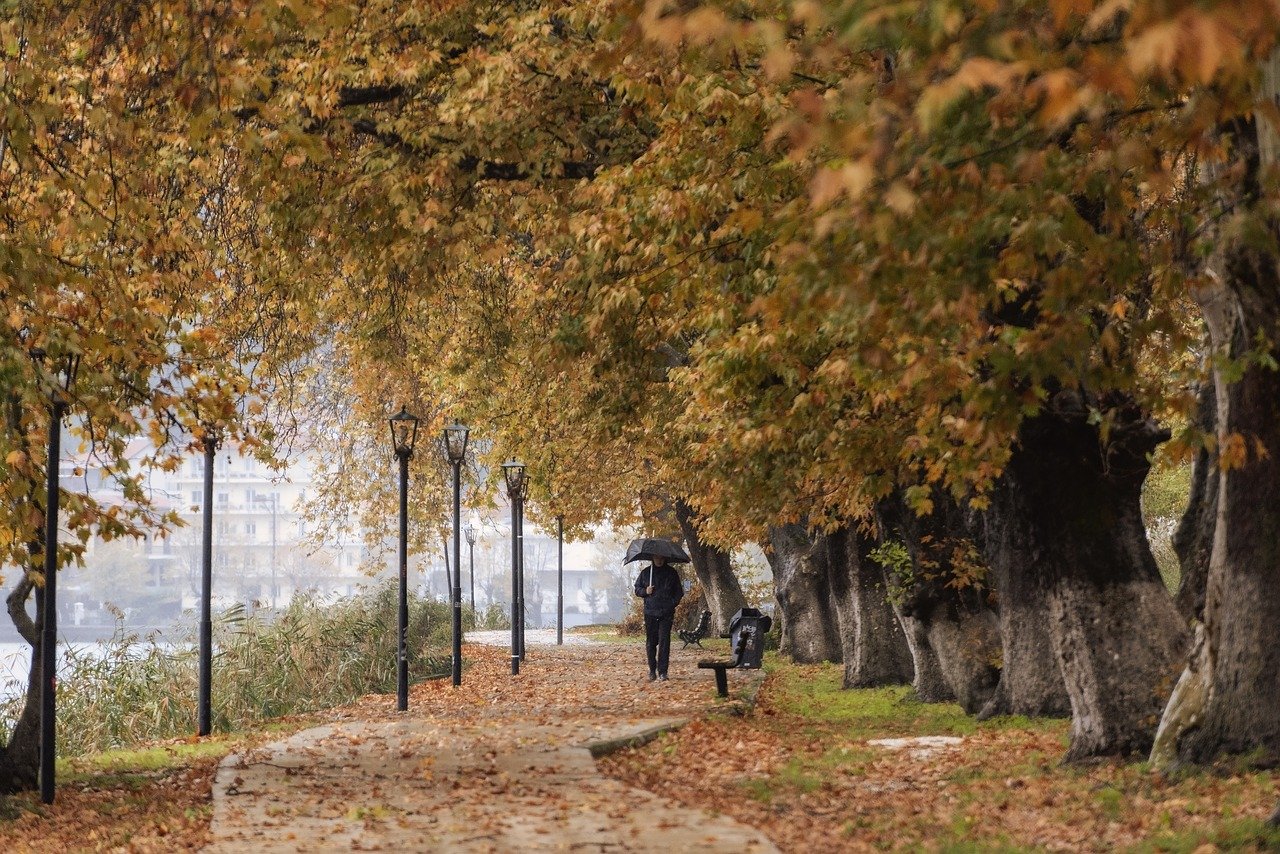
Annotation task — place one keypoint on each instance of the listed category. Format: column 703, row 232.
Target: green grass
column 1241, row 834
column 844, row 718
column 887, row 712
column 148, row 759
column 992, row 774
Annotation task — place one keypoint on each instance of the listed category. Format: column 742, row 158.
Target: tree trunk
column 19, row 759
column 945, row 597
column 714, row 570
column 1030, row 682
column 811, row 632
column 1193, row 539
column 1226, row 703
column 928, row 680
column 873, row 646
column 1234, row 705
column 1114, row 628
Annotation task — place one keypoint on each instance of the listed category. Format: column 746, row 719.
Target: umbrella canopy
column 647, row 548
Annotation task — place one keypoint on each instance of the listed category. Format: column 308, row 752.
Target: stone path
column 501, row 763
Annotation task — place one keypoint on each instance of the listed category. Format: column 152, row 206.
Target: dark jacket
column 667, row 590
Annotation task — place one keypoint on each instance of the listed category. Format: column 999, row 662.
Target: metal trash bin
column 748, row 628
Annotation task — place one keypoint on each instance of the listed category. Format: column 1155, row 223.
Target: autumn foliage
column 791, row 266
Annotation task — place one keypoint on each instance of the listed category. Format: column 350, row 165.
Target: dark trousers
column 657, row 642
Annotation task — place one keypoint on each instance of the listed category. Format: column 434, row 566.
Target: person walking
column 660, row 587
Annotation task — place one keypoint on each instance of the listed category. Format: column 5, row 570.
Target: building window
column 197, row 498
column 251, row 528
column 224, row 498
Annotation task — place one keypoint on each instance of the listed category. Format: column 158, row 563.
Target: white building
column 260, row 555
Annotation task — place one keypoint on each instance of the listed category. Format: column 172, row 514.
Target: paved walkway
column 501, row 763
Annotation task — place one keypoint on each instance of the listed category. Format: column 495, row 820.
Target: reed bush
column 492, row 618
column 309, row 657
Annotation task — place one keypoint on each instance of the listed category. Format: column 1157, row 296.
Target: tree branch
column 16, row 604
column 489, row 170
column 357, row 96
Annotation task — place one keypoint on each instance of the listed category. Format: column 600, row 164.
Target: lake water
column 15, row 661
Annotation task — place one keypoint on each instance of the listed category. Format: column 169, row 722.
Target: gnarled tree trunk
column 873, row 646
column 1114, row 629
column 928, row 680
column 960, row 628
column 19, row 759
column 714, row 570
column 1227, row 697
column 810, row 628
column 1030, row 681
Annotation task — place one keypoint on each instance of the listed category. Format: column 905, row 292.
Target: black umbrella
column 647, row 548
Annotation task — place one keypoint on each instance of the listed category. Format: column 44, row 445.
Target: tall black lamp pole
column 404, row 434
column 204, row 692
column 49, row 635
column 455, row 443
column 524, row 492
column 513, row 472
column 560, row 579
column 470, row 532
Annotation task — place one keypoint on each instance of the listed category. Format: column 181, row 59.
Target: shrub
column 632, row 622
column 492, row 618
column 309, row 657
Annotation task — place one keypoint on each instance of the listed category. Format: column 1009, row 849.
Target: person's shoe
column 662, row 677
column 653, row 676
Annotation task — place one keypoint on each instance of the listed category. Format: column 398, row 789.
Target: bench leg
column 722, row 682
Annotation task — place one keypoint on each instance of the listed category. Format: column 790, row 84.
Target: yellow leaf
column 899, row 199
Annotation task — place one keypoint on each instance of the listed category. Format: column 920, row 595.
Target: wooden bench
column 720, row 667
column 699, row 632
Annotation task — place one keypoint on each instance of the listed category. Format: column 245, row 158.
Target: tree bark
column 950, row 610
column 1193, row 539
column 810, row 628
column 1233, row 705
column 1114, row 629
column 1226, row 703
column 714, row 569
column 873, row 646
column 928, row 680
column 19, row 759
column 1030, row 681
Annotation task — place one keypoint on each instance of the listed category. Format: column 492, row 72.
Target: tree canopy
column 778, row 259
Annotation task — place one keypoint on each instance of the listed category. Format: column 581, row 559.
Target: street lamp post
column 513, row 472
column 49, row 635
column 404, row 433
column 470, row 532
column 560, row 580
column 524, row 492
column 204, row 692
column 455, row 443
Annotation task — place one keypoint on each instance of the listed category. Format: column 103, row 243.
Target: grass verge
column 805, row 770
